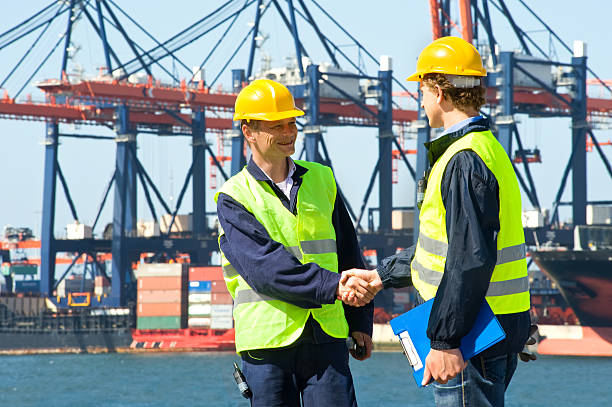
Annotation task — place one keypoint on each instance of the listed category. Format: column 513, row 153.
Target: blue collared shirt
column 458, row 126
column 271, row 270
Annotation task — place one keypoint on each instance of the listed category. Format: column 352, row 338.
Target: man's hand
column 354, row 290
column 443, row 365
column 356, row 280
column 362, row 340
column 526, row 355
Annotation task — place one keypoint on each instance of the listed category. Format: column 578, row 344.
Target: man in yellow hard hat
column 285, row 237
column 471, row 244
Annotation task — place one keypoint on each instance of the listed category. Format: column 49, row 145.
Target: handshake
column 357, row 287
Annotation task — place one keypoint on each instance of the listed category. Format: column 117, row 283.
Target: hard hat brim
column 269, row 117
column 415, row 77
column 418, row 76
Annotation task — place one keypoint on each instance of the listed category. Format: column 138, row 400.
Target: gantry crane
column 191, row 108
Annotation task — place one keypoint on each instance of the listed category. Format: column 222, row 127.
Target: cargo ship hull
column 584, row 278
column 56, row 342
column 179, row 308
column 575, row 340
column 585, row 281
column 183, row 339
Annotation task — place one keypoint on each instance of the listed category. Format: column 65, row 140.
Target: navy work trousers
column 483, row 383
column 318, row 373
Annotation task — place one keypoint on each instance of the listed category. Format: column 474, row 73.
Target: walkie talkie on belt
column 360, row 351
column 243, row 386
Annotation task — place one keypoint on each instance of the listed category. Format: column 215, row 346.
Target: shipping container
column 199, row 309
column 182, row 223
column 205, row 273
column 19, row 269
column 200, row 286
column 160, row 310
column 218, row 287
column 402, row 219
column 198, row 322
column 160, row 283
column 78, row 231
column 75, row 284
column 199, row 297
column 147, row 228
column 26, row 286
column 221, row 310
column 221, row 298
column 172, row 322
column 221, row 323
column 401, row 297
column 160, row 296
column 162, row 270
column 24, row 306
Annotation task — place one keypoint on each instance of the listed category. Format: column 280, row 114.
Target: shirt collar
column 295, row 170
column 438, row 146
column 459, row 125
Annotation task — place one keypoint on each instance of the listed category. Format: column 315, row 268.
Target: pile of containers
column 403, row 299
column 210, row 304
column 162, row 296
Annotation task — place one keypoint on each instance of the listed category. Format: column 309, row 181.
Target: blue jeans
column 483, row 383
column 319, row 374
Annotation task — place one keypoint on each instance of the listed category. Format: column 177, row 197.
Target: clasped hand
column 357, row 287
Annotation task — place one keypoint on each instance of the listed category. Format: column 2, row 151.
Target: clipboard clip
column 410, row 351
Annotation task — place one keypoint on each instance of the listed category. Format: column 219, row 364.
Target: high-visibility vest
column 262, row 321
column 508, row 290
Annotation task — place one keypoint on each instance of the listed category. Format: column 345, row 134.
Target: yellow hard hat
column 264, row 99
column 449, row 55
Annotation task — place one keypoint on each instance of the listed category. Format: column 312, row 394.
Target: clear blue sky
column 389, row 27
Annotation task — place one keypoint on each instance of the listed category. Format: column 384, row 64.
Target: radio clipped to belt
column 421, row 188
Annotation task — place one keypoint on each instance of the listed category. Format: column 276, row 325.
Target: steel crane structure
column 562, row 96
column 151, row 107
column 192, row 108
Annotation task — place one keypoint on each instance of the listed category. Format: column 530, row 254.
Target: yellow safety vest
column 262, row 321
column 509, row 286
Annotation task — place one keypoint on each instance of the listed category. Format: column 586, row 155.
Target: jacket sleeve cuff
column 360, row 319
column 443, row 345
column 385, row 275
column 329, row 287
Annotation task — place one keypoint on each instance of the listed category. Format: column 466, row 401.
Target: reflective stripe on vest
column 261, row 321
column 496, row 288
column 229, row 271
column 319, row 246
column 309, row 247
column 249, row 295
column 508, row 290
column 505, row 255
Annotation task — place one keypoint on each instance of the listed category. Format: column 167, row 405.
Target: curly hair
column 463, row 99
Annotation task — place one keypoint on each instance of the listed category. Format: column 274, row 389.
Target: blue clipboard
column 411, row 327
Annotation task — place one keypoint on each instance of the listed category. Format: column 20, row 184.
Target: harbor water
column 205, row 379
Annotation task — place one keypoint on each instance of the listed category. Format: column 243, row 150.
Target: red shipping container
column 160, row 296
column 160, row 283
column 218, row 287
column 221, row 298
column 205, row 273
column 161, row 310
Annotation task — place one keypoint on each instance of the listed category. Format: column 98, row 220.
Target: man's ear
column 248, row 134
column 439, row 94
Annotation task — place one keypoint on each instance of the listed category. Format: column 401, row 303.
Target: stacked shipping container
column 162, row 296
column 210, row 305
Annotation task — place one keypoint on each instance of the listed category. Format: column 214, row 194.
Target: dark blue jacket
column 271, row 270
column 470, row 194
